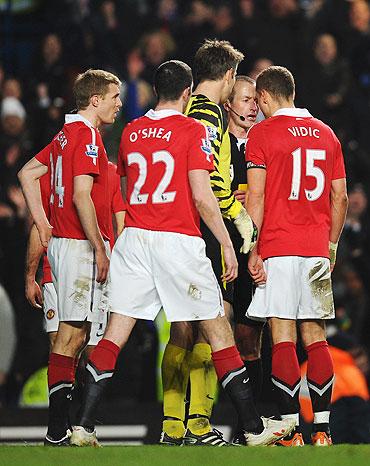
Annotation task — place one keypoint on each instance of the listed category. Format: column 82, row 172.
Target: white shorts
column 296, row 288
column 52, row 319
column 79, row 295
column 154, row 269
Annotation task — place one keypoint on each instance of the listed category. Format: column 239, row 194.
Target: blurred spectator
column 12, row 88
column 7, row 341
column 282, row 34
column 157, row 47
column 224, row 23
column 358, row 51
column 15, row 143
column 50, row 67
column 326, row 84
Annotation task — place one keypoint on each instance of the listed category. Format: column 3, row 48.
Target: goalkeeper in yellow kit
column 188, row 355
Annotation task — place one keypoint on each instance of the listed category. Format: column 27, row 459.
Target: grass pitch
column 341, row 455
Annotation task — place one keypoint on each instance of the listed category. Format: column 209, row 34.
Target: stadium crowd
column 43, row 45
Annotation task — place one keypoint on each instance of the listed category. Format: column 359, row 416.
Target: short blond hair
column 92, row 82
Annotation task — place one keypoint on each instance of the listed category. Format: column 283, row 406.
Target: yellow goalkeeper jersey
column 210, row 114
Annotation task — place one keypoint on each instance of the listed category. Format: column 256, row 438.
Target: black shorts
column 214, row 253
column 243, row 285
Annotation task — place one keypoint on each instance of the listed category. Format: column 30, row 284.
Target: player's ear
column 229, row 75
column 264, row 96
column 95, row 99
column 227, row 105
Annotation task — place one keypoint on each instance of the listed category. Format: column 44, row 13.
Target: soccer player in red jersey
column 80, row 215
column 160, row 260
column 298, row 200
column 46, row 297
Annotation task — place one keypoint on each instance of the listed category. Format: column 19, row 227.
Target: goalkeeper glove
column 332, row 253
column 247, row 229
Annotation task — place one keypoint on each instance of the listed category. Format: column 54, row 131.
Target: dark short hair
column 92, row 82
column 277, row 81
column 241, row 78
column 214, row 58
column 171, row 78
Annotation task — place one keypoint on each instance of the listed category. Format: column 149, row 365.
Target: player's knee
column 248, row 341
column 311, row 332
column 181, row 335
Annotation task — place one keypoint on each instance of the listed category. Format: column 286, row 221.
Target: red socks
column 61, row 369
column 104, row 356
column 319, row 364
column 286, row 376
column 226, row 360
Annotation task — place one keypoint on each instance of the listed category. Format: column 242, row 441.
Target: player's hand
column 102, row 264
column 34, row 294
column 240, row 195
column 256, row 269
column 248, row 231
column 45, row 232
column 231, row 264
column 332, row 254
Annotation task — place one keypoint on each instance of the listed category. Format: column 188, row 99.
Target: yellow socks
column 203, row 386
column 175, row 377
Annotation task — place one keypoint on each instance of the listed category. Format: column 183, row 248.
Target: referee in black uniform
column 242, row 109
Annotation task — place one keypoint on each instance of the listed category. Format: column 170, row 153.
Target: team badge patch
column 212, row 132
column 92, row 151
column 50, row 314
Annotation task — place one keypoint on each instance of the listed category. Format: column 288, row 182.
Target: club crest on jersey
column 212, row 132
column 92, row 151
column 50, row 314
column 206, row 148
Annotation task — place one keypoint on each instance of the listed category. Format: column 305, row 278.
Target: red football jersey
column 115, row 195
column 301, row 156
column 45, row 186
column 76, row 150
column 156, row 153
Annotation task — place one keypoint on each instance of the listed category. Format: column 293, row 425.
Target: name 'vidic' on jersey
column 156, row 153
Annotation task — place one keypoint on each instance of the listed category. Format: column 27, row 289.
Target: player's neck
column 211, row 89
column 237, row 131
column 275, row 106
column 91, row 117
column 175, row 105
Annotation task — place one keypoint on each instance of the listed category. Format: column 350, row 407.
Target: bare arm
column 255, row 206
column 120, row 221
column 209, row 210
column 82, row 186
column 29, row 178
column 34, row 252
column 338, row 204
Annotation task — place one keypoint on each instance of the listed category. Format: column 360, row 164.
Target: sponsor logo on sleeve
column 212, row 132
column 206, row 148
column 92, row 151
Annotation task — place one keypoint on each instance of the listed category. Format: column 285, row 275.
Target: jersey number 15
column 311, row 170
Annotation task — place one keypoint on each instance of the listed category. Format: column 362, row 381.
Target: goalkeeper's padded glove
column 332, row 253
column 247, row 229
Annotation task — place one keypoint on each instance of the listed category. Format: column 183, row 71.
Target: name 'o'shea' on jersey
column 302, row 156
column 156, row 153
column 210, row 114
column 76, row 150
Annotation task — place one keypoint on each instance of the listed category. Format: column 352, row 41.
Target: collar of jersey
column 293, row 112
column 158, row 114
column 73, row 117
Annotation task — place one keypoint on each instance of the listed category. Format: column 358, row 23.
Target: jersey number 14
column 56, row 181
